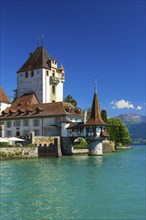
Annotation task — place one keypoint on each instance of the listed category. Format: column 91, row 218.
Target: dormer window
column 12, row 111
column 4, row 113
column 21, row 110
column 78, row 111
column 68, row 109
column 39, row 109
column 29, row 110
column 26, row 74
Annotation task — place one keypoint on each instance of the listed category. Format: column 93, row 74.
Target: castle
column 40, row 107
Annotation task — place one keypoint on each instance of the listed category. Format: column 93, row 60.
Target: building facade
column 4, row 103
column 40, row 74
column 26, row 114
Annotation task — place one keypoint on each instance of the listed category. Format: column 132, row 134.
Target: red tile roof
column 3, row 96
column 28, row 106
column 38, row 59
column 95, row 117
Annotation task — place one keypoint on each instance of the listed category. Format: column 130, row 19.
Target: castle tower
column 95, row 121
column 40, row 74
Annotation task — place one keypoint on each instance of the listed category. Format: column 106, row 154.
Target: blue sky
column 102, row 40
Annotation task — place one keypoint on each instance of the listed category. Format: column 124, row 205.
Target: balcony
column 54, row 80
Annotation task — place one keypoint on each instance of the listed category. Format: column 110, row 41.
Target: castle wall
column 30, row 84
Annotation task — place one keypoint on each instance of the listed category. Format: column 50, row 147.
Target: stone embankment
column 18, row 152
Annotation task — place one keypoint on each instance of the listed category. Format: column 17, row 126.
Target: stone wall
column 80, row 151
column 108, row 146
column 32, row 152
column 66, row 146
column 53, row 149
column 18, row 152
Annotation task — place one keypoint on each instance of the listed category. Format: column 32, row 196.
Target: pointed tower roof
column 95, row 117
column 38, row 59
column 3, row 96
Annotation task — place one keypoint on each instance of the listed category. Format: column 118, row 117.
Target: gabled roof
column 3, row 96
column 38, row 59
column 25, row 100
column 95, row 117
column 27, row 106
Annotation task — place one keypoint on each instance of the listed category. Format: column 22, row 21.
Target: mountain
column 136, row 125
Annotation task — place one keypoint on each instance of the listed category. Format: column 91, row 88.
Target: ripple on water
column 76, row 187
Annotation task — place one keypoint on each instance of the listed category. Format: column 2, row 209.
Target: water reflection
column 75, row 187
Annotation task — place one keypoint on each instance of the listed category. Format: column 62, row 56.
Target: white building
column 4, row 103
column 4, row 100
column 40, row 74
column 26, row 114
column 39, row 106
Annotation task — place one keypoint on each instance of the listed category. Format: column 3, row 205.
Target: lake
column 111, row 187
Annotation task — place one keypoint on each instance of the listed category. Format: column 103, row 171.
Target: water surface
column 111, row 187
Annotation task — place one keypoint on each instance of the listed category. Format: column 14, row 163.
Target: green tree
column 104, row 115
column 15, row 95
column 71, row 100
column 89, row 112
column 118, row 132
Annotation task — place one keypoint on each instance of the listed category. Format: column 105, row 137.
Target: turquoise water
column 111, row 187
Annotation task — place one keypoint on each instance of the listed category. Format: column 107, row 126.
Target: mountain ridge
column 132, row 118
column 136, row 125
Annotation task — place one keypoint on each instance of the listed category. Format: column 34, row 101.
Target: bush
column 31, row 145
column 119, row 145
column 18, row 145
column 4, row 144
column 80, row 147
column 81, row 144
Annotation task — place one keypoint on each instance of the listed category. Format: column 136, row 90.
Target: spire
column 95, row 86
column 95, row 117
column 42, row 40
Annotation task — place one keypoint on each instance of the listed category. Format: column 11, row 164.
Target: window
column 32, row 73
column 9, row 133
column 36, row 132
column 47, row 73
column 53, row 73
column 26, row 74
column 17, row 123
column 53, row 89
column 36, row 122
column 25, row 122
column 25, row 132
column 9, row 124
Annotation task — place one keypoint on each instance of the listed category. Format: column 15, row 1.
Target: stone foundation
column 108, row 146
column 66, row 146
column 18, row 152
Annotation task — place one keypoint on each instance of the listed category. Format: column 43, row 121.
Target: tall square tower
column 40, row 74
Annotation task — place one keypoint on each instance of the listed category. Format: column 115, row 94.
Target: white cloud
column 139, row 107
column 122, row 104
